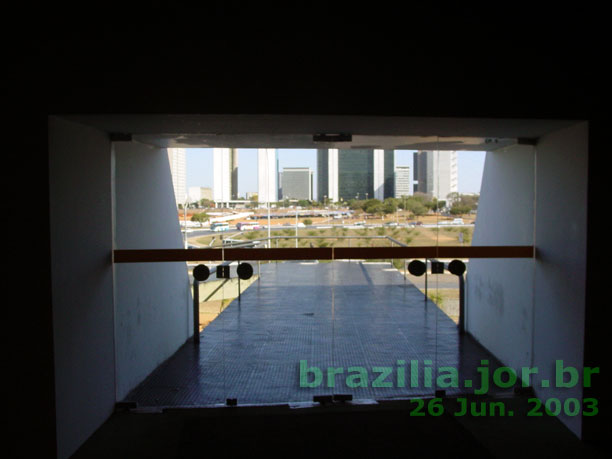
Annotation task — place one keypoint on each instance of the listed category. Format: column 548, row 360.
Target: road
column 205, row 232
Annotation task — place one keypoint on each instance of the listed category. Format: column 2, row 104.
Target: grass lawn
column 418, row 236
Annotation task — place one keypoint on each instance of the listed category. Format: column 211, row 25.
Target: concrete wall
column 153, row 300
column 81, row 272
column 532, row 313
column 499, row 291
column 560, row 276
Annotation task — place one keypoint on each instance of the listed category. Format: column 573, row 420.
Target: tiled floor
column 331, row 315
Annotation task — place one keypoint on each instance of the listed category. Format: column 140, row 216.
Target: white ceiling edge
column 306, row 142
column 296, row 131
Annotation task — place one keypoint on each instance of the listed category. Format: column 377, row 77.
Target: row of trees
column 304, row 203
column 201, row 204
column 417, row 204
column 463, row 203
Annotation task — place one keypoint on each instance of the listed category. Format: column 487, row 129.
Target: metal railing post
column 196, row 311
column 239, row 286
column 426, row 260
column 461, row 305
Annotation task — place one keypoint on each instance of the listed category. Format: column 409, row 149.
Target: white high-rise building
column 379, row 175
column 225, row 174
column 437, row 173
column 333, row 194
column 403, row 181
column 267, row 188
column 297, row 183
column 178, row 168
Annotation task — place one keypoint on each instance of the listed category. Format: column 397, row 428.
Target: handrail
column 320, row 253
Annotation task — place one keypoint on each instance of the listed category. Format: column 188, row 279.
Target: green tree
column 355, row 204
column 200, row 217
column 390, row 205
column 453, row 197
column 373, row 206
column 421, row 197
column 435, row 205
column 418, row 209
column 464, row 200
column 458, row 209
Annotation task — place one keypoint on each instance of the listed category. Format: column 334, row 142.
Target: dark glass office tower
column 355, row 174
column 355, row 169
column 389, row 174
column 421, row 172
column 322, row 173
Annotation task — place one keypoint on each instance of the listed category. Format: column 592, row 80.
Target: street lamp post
column 296, row 227
column 269, row 240
column 185, row 222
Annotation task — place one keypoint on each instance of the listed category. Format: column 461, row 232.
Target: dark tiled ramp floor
column 331, row 315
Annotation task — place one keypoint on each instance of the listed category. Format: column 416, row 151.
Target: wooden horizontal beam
column 321, row 253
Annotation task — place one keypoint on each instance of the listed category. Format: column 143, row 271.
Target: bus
column 220, row 226
column 245, row 226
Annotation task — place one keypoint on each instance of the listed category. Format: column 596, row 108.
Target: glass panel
column 495, row 210
column 366, row 328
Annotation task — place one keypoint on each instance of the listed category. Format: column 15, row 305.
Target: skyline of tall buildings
column 342, row 175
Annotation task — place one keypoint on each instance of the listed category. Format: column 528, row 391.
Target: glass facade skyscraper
column 389, row 173
column 343, row 175
column 355, row 174
column 322, row 174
